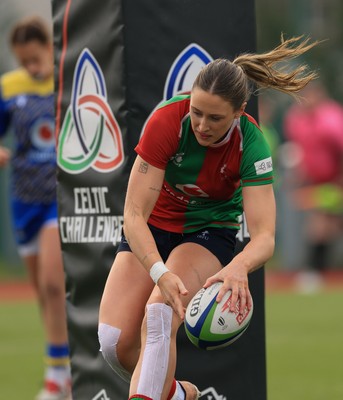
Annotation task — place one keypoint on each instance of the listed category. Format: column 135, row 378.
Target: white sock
column 180, row 393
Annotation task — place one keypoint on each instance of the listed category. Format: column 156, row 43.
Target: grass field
column 304, row 347
column 21, row 350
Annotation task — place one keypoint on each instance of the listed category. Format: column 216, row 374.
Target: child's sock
column 57, row 366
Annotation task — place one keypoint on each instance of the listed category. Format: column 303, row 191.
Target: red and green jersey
column 203, row 185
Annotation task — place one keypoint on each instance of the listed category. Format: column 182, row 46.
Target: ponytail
column 233, row 81
column 263, row 71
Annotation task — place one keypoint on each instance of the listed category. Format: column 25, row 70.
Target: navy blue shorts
column 219, row 241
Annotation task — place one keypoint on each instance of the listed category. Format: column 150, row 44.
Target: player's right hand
column 172, row 288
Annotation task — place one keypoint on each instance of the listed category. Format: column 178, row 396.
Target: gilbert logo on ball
column 210, row 325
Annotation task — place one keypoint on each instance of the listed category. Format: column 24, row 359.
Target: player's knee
column 50, row 289
column 108, row 338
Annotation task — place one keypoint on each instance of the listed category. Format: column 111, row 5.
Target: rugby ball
column 210, row 325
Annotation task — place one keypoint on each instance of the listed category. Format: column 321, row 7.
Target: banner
column 115, row 62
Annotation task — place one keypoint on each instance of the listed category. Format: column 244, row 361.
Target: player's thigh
column 193, row 263
column 126, row 292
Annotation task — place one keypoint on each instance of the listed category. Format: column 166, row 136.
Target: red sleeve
column 161, row 135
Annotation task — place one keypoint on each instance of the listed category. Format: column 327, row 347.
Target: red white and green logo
column 90, row 136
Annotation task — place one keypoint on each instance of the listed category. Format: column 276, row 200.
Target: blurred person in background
column 266, row 121
column 314, row 129
column 27, row 112
column 266, row 113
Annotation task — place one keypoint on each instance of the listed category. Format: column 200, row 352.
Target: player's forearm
column 256, row 252
column 141, row 241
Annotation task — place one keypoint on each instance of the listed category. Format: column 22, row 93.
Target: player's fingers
column 234, row 298
column 221, row 292
column 175, row 302
column 210, row 281
column 207, row 283
column 242, row 300
column 179, row 309
column 249, row 300
column 182, row 289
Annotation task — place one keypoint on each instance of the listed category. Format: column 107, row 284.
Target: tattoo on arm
column 143, row 167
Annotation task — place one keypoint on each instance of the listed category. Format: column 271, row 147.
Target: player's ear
column 241, row 110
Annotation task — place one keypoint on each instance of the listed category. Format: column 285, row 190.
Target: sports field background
column 304, row 340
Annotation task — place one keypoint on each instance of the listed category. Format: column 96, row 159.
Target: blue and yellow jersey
column 27, row 110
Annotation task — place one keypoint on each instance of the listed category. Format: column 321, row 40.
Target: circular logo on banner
column 90, row 136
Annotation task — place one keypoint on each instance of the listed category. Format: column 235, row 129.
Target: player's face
column 36, row 58
column 211, row 116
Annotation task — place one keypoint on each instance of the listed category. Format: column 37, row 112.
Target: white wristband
column 157, row 270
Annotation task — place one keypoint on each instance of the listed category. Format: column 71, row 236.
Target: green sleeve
column 256, row 164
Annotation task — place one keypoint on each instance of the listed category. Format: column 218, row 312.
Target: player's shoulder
column 249, row 127
column 19, row 82
column 251, row 133
column 13, row 82
column 179, row 102
column 248, row 122
column 18, row 74
column 171, row 113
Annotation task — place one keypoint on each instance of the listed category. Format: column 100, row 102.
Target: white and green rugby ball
column 210, row 325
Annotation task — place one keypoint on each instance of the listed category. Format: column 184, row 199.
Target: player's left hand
column 234, row 278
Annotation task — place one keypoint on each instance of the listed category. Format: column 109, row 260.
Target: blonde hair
column 233, row 80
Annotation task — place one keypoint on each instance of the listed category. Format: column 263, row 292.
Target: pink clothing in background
column 319, row 133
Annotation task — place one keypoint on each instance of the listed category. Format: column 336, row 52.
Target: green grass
column 304, row 347
column 21, row 350
column 12, row 271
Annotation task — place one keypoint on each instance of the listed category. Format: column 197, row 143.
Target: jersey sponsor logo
column 191, row 190
column 264, row 166
column 43, row 141
column 42, row 134
column 90, row 136
column 177, row 159
column 184, row 70
column 223, row 172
